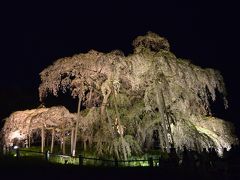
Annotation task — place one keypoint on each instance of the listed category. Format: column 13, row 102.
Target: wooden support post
column 43, row 139
column 76, row 128
column 63, row 138
column 29, row 140
column 52, row 142
column 72, row 139
column 84, row 145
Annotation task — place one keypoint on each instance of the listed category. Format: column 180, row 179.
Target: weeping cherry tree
column 127, row 99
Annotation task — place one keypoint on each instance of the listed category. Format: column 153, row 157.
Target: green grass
column 60, row 159
column 33, row 154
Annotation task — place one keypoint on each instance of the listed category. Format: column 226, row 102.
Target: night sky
column 34, row 35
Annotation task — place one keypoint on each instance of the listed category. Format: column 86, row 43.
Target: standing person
column 173, row 157
column 213, row 157
column 185, row 158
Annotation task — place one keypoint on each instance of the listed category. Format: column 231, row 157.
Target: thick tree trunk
column 43, row 138
column 110, row 123
column 168, row 122
column 106, row 91
column 120, row 125
column 161, row 139
column 76, row 128
column 160, row 102
column 53, row 138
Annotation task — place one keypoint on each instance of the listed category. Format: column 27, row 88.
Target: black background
column 33, row 35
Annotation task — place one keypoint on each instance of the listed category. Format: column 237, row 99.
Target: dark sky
column 33, row 35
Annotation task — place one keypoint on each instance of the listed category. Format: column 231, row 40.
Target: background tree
column 28, row 125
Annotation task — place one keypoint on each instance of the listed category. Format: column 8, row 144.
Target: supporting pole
column 43, row 139
column 76, row 128
column 52, row 142
column 84, row 145
column 72, row 139
column 63, row 137
column 29, row 140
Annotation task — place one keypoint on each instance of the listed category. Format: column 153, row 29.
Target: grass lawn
column 34, row 154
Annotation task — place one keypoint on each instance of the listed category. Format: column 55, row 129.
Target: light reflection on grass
column 34, row 153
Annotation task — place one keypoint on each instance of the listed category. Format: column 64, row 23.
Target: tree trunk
column 160, row 102
column 168, row 122
column 76, row 128
column 110, row 123
column 52, row 142
column 106, row 91
column 43, row 138
column 119, row 123
column 160, row 139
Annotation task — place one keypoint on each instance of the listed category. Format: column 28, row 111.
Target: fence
column 82, row 160
column 85, row 161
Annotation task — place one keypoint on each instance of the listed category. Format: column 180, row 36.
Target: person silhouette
column 225, row 154
column 173, row 157
column 185, row 158
column 204, row 159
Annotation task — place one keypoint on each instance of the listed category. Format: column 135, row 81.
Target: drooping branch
column 119, row 88
column 160, row 104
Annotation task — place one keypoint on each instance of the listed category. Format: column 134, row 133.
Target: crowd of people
column 207, row 159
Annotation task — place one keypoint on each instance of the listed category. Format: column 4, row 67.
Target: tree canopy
column 21, row 125
column 131, row 101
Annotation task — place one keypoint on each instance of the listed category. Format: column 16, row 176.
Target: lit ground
column 39, row 169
